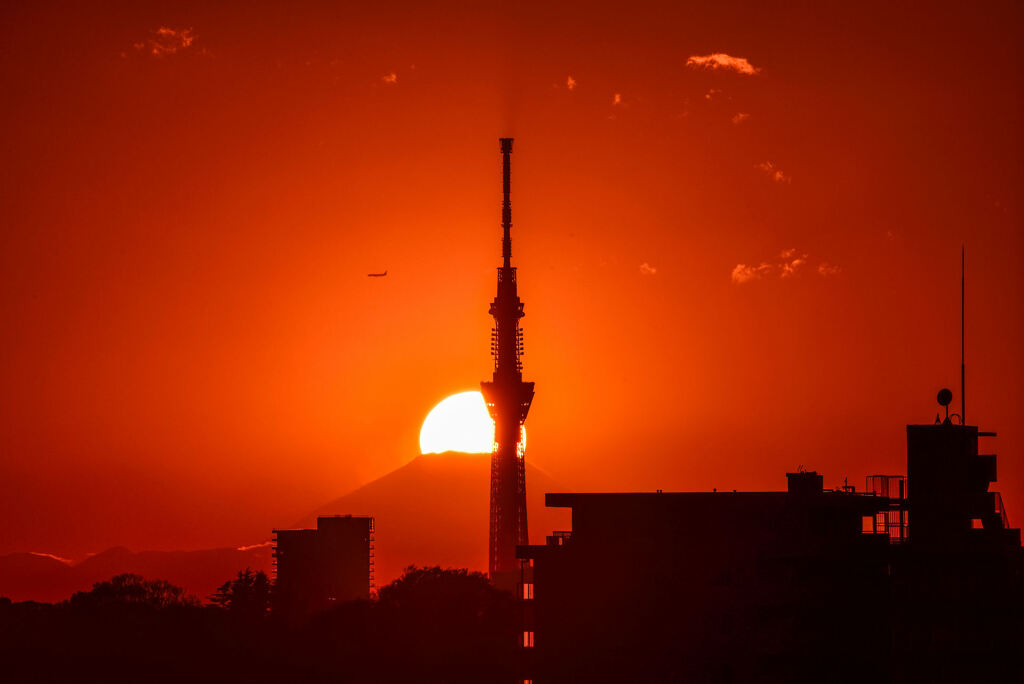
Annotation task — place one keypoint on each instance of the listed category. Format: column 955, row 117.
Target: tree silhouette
column 129, row 589
column 432, row 625
column 247, row 596
column 441, row 593
column 437, row 617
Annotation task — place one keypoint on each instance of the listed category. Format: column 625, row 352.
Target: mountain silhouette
column 434, row 511
column 431, row 511
column 34, row 577
column 38, row 577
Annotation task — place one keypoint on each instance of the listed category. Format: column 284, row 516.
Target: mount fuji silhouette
column 434, row 511
column 431, row 511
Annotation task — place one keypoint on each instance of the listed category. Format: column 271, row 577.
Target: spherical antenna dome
column 945, row 397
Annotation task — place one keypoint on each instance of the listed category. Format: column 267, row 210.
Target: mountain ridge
column 26, row 576
column 431, row 511
column 454, row 488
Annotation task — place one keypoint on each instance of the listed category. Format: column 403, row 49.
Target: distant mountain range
column 431, row 511
column 39, row 577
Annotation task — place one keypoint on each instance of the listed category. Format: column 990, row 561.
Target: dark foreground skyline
column 916, row 578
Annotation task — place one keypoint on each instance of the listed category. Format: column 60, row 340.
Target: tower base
column 506, row 580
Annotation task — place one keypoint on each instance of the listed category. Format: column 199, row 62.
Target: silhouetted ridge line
column 433, row 511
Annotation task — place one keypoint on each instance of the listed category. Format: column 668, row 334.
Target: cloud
column 65, row 561
column 774, row 172
column 617, row 100
column 743, row 273
column 166, row 41
column 740, row 118
column 788, row 264
column 789, row 268
column 647, row 269
column 720, row 60
column 711, row 93
column 570, row 83
column 253, row 546
column 390, row 79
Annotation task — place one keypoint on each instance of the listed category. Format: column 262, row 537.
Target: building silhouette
column 508, row 401
column 319, row 568
column 915, row 579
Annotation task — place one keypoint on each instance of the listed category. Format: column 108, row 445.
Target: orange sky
column 191, row 352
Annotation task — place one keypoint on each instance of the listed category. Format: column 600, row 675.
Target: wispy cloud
column 570, row 83
column 65, row 561
column 617, row 99
column 720, row 60
column 743, row 273
column 390, row 78
column 740, row 118
column 712, row 93
column 774, row 172
column 166, row 41
column 789, row 263
column 646, row 269
column 253, row 546
column 789, row 268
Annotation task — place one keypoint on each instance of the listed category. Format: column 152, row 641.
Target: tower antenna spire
column 506, row 204
column 508, row 400
column 963, row 315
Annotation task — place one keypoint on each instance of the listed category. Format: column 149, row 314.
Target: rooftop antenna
column 963, row 308
column 506, row 205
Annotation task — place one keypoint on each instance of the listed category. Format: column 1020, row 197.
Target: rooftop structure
column 918, row 578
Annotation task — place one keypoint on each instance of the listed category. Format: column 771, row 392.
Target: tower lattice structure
column 508, row 400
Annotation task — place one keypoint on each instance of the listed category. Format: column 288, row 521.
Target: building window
column 867, row 525
column 976, row 524
column 527, row 639
column 528, row 590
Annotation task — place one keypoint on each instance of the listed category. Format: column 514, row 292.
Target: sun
column 460, row 423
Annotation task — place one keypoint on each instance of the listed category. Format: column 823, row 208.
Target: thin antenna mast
column 963, row 308
column 506, row 204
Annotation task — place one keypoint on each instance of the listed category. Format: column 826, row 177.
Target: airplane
column 376, row 275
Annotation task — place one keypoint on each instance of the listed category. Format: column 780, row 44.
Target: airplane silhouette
column 376, row 275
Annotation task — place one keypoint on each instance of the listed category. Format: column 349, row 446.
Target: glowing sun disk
column 460, row 423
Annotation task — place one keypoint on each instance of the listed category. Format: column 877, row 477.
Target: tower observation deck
column 508, row 401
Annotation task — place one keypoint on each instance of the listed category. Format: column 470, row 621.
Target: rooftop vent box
column 804, row 483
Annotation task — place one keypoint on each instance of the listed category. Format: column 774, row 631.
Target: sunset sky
column 737, row 227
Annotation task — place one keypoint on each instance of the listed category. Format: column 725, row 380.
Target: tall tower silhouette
column 508, row 401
